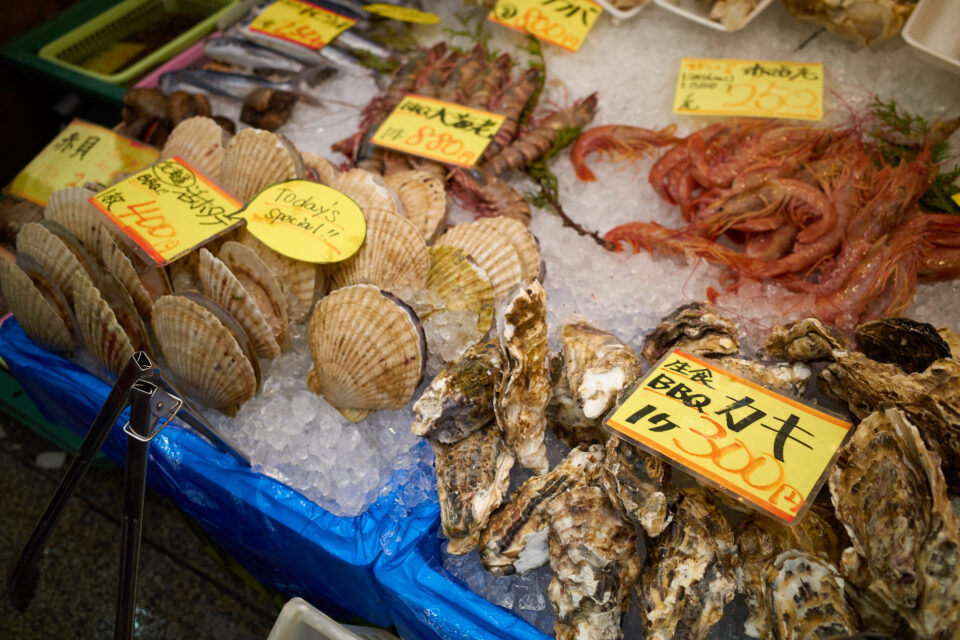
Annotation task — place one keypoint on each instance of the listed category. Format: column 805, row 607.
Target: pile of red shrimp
column 815, row 210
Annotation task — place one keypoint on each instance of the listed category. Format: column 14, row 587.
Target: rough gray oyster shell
column 515, row 539
column 952, row 340
column 803, row 340
column 567, row 421
column 472, row 479
column 888, row 491
column 459, row 400
column 690, row 574
column 696, row 328
column 521, row 397
column 593, row 554
column 805, row 598
column 599, row 366
column 912, row 345
column 789, row 378
column 638, row 485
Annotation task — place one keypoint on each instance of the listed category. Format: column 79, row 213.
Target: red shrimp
column 487, row 195
column 615, row 143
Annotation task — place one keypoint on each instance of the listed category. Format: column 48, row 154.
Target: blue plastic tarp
column 383, row 565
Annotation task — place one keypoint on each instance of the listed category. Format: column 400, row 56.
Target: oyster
column 38, row 305
column 599, row 366
column 515, row 539
column 910, row 344
column 789, row 378
column 459, row 400
column 696, row 328
column 691, row 573
column 424, row 199
column 952, row 340
column 472, row 478
column 565, row 418
column 805, row 598
column 865, row 21
column 889, row 492
column 803, row 340
column 638, row 486
column 593, row 554
column 521, row 398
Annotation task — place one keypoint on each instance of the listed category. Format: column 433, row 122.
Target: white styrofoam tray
column 933, row 30
column 299, row 620
column 699, row 11
column 621, row 14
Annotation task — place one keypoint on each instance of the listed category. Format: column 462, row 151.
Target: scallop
column 260, row 284
column 323, row 168
column 200, row 141
column 368, row 191
column 393, row 255
column 144, row 284
column 101, row 327
column 39, row 308
column 256, row 159
column 71, row 208
column 368, row 349
column 52, row 253
column 492, row 250
column 523, row 241
column 461, row 284
column 424, row 199
column 297, row 280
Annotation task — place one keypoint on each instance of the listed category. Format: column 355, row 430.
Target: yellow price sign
column 306, row 221
column 752, row 88
column 82, row 152
column 169, row 209
column 956, row 198
column 442, row 131
column 403, row 14
column 564, row 23
column 771, row 450
column 300, row 22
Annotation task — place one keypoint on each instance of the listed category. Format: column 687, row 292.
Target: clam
column 393, row 255
column 599, row 367
column 804, row 340
column 492, row 251
column 461, row 284
column 424, row 199
column 298, row 280
column 200, row 141
column 323, row 168
column 910, row 344
column 368, row 349
column 523, row 241
column 369, row 192
column 53, row 254
column 143, row 282
column 256, row 159
column 696, row 328
column 72, row 209
column 38, row 306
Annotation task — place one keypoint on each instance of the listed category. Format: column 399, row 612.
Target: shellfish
column 492, row 250
column 38, row 306
column 58, row 259
column 424, row 199
column 805, row 598
column 143, row 282
column 200, row 141
column 639, row 486
column 599, row 366
column 72, row 209
column 461, row 284
column 255, row 159
column 911, row 345
column 370, row 193
column 696, row 328
column 803, row 340
column 298, row 280
column 791, row 378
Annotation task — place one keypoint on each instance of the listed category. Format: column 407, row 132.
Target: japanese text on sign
column 769, row 449
column 301, row 23
column 564, row 23
column 82, row 153
column 306, row 221
column 404, row 14
column 750, row 88
column 441, row 131
column 169, row 209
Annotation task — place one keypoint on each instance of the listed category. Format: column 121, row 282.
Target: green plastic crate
column 112, row 26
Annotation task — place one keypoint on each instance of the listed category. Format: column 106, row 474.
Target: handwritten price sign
column 771, row 450
column 750, row 88
column 301, row 23
column 441, row 131
column 564, row 23
column 169, row 209
column 404, row 14
column 83, row 152
column 306, row 221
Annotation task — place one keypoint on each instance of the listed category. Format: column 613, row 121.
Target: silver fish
column 239, row 86
column 354, row 41
column 247, row 54
column 311, row 57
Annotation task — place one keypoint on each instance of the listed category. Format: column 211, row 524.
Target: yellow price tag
column 402, row 13
column 752, row 88
column 771, row 450
column 81, row 153
column 306, row 221
column 442, row 131
column 300, row 22
column 956, row 198
column 169, row 209
column 564, row 23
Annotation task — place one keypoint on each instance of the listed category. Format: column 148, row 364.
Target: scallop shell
column 39, row 317
column 424, row 199
column 119, row 264
column 461, row 284
column 393, row 255
column 523, row 241
column 255, row 159
column 326, row 172
column 368, row 191
column 223, row 287
column 297, row 279
column 203, row 353
column 52, row 253
column 256, row 278
column 71, row 208
column 200, row 141
column 492, row 250
column 368, row 349
column 101, row 330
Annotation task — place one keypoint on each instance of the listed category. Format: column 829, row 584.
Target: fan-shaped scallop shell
column 200, row 141
column 368, row 349
column 297, row 279
column 255, row 159
column 492, row 250
column 368, row 191
column 424, row 199
column 202, row 352
column 101, row 330
column 71, row 208
column 40, row 318
column 119, row 264
column 51, row 253
column 523, row 241
column 393, row 255
column 461, row 284
column 256, row 278
column 326, row 172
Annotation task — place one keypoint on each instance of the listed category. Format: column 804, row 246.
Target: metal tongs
column 141, row 385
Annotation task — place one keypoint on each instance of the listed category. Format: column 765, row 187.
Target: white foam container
column 621, row 14
column 699, row 11
column 299, row 620
column 933, row 30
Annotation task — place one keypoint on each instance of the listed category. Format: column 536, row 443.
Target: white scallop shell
column 200, row 141
column 523, row 241
column 256, row 159
column 297, row 279
column 424, row 199
column 393, row 255
column 368, row 191
column 39, row 318
column 492, row 250
column 71, row 208
column 52, row 254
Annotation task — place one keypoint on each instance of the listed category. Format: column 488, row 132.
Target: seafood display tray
column 932, row 32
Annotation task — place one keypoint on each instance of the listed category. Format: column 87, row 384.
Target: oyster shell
column 791, row 378
column 200, row 141
column 461, row 284
column 889, row 492
column 521, row 398
column 492, row 250
column 472, row 479
column 565, row 418
column 805, row 598
column 952, row 340
column 108, row 322
column 72, row 209
column 515, row 539
column 297, row 280
column 459, row 400
column 803, row 340
column 639, row 486
column 255, row 159
column 38, row 306
column 599, row 366
column 523, row 241
column 424, row 199
column 593, row 554
column 349, row 325
column 53, row 254
column 691, row 573
column 326, row 172
column 696, row 328
column 910, row 344
column 370, row 193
